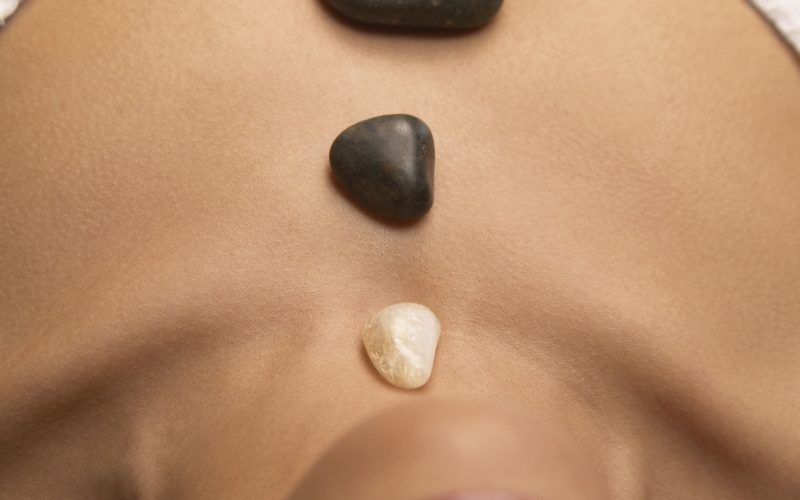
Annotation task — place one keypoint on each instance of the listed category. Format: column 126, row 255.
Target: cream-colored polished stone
column 401, row 342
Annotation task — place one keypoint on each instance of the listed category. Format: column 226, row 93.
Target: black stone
column 447, row 14
column 386, row 164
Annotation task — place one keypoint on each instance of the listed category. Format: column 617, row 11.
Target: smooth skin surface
column 614, row 251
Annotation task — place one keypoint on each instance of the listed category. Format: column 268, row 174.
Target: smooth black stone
column 448, row 14
column 386, row 164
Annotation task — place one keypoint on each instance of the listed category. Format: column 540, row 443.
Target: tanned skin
column 613, row 252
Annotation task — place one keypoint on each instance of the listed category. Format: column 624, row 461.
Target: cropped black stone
column 446, row 14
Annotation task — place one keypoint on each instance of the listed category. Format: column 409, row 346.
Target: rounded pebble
column 401, row 342
column 386, row 164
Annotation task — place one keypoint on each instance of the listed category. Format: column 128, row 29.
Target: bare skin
column 614, row 253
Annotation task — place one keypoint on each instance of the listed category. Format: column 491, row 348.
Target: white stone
column 401, row 343
column 7, row 7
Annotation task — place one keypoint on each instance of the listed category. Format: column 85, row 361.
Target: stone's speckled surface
column 447, row 14
column 386, row 164
column 401, row 343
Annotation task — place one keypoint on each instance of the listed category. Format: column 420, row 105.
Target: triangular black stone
column 386, row 164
